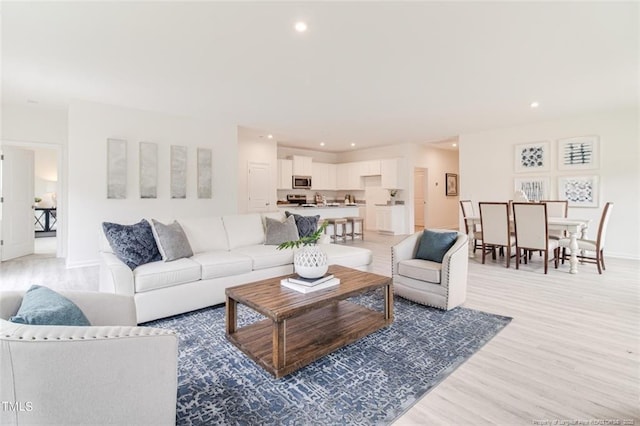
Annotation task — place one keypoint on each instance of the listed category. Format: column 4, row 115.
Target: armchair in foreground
column 112, row 372
column 439, row 284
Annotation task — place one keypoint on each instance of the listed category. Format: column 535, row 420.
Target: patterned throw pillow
column 133, row 244
column 280, row 232
column 434, row 245
column 307, row 225
column 172, row 242
column 43, row 306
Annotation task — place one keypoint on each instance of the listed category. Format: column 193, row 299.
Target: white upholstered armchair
column 112, row 372
column 441, row 285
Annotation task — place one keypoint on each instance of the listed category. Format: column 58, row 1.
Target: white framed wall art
column 531, row 157
column 535, row 188
column 579, row 191
column 578, row 153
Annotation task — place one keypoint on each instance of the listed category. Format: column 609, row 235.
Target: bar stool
column 353, row 221
column 338, row 221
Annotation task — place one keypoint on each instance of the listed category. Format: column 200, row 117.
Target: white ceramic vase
column 310, row 262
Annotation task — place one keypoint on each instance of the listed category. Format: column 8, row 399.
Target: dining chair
column 532, row 232
column 467, row 210
column 494, row 219
column 556, row 208
column 596, row 246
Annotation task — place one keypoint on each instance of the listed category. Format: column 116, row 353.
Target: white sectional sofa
column 228, row 251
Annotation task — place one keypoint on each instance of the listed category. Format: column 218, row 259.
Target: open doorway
column 420, row 198
column 37, row 215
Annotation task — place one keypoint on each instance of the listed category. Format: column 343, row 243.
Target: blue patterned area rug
column 371, row 381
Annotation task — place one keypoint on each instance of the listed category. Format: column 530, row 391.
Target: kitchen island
column 325, row 212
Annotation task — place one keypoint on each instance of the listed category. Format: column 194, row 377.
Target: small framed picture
column 578, row 153
column 452, row 184
column 579, row 191
column 531, row 157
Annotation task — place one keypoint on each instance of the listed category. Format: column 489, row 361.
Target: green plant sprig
column 305, row 241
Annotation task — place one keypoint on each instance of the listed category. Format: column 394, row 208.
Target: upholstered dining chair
column 467, row 210
column 556, row 208
column 596, row 246
column 494, row 219
column 532, row 232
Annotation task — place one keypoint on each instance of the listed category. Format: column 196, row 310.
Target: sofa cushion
column 133, row 244
column 264, row 256
column 279, row 232
column 156, row 275
column 307, row 225
column 43, row 306
column 353, row 257
column 205, row 233
column 221, row 263
column 243, row 230
column 422, row 270
column 171, row 240
column 434, row 245
column 279, row 216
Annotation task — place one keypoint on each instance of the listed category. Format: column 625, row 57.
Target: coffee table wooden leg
column 388, row 302
column 231, row 315
column 279, row 344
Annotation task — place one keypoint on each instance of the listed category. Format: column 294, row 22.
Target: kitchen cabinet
column 390, row 171
column 285, row 173
column 390, row 219
column 302, row 166
column 348, row 176
column 369, row 168
column 323, row 176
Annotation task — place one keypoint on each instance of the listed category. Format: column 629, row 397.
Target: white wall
column 90, row 125
column 32, row 123
column 487, row 169
column 257, row 150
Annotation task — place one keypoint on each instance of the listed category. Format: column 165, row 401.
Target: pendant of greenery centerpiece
column 309, row 261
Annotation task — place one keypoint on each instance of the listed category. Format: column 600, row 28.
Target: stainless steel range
column 297, row 199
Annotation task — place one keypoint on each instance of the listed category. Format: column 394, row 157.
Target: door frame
column 61, row 195
column 425, row 194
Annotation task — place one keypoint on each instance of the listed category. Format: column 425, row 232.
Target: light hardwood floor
column 570, row 355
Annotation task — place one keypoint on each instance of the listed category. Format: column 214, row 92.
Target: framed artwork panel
column 148, row 170
column 178, row 171
column 451, row 188
column 535, row 188
column 205, row 173
column 531, row 157
column 116, row 169
column 579, row 191
column 578, row 153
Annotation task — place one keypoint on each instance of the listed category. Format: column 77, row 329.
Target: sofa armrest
column 454, row 269
column 115, row 275
column 404, row 250
column 88, row 375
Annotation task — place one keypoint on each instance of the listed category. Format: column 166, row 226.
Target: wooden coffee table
column 300, row 328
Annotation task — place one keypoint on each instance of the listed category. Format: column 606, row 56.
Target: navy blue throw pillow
column 307, row 225
column 43, row 306
column 133, row 244
column 434, row 245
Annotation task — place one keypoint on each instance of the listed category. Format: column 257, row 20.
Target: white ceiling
column 373, row 73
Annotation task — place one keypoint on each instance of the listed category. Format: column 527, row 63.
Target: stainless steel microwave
column 301, row 182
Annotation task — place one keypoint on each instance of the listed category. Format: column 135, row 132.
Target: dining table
column 576, row 228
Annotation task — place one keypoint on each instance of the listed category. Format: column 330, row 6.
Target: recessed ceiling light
column 454, row 144
column 321, row 143
column 535, row 104
column 353, row 144
column 270, row 136
column 300, row 26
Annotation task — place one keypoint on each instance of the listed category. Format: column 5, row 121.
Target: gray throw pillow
column 133, row 244
column 280, row 232
column 43, row 306
column 434, row 245
column 307, row 225
column 172, row 241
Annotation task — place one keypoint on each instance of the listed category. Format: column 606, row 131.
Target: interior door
column 17, row 205
column 260, row 188
column 419, row 197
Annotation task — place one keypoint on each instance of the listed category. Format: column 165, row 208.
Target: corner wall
column 487, row 169
column 91, row 124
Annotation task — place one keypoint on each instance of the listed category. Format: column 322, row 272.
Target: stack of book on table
column 306, row 285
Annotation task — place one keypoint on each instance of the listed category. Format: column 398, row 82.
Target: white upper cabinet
column 369, row 168
column 390, row 170
column 349, row 176
column 302, row 166
column 323, row 176
column 285, row 173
